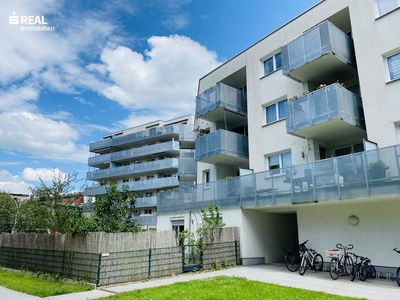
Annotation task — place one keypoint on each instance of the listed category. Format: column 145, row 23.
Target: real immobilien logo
column 32, row 23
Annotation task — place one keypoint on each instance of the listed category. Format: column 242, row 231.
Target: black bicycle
column 398, row 269
column 293, row 256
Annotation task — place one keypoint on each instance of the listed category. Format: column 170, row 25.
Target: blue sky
column 109, row 65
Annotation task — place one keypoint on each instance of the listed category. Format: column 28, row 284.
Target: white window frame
column 387, row 58
column 274, row 63
column 277, row 111
column 279, row 154
column 377, row 10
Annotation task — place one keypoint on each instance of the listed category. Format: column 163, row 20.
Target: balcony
column 366, row 175
column 331, row 114
column 187, row 168
column 223, row 147
column 324, row 53
column 146, row 201
column 147, row 220
column 167, row 148
column 141, row 185
column 165, row 165
column 222, row 101
column 182, row 132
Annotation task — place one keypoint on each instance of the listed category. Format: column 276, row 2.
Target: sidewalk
column 278, row 274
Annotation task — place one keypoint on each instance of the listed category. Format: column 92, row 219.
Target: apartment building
column 148, row 158
column 303, row 141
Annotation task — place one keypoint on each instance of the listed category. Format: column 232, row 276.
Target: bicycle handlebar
column 395, row 249
column 340, row 246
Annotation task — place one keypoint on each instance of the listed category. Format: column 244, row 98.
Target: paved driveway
column 321, row 281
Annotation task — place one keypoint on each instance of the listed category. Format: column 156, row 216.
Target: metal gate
column 192, row 258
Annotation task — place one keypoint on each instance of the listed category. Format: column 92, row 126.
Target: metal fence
column 68, row 264
column 104, row 269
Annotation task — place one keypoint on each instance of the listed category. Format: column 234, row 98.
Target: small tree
column 112, row 212
column 8, row 213
column 63, row 216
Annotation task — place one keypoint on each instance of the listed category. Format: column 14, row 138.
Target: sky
column 99, row 66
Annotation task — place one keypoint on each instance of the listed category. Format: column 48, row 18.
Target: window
column 273, row 63
column 206, row 177
column 275, row 111
column 385, row 6
column 394, row 66
column 278, row 161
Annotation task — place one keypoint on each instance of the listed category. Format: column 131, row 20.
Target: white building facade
column 149, row 158
column 300, row 138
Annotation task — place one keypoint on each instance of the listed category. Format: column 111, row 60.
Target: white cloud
column 11, row 163
column 83, row 101
column 176, row 22
column 39, row 136
column 165, row 78
column 15, row 97
column 13, row 184
column 46, row 175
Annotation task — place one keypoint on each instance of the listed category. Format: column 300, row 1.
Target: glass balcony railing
column 222, row 142
column 147, row 220
column 329, row 103
column 314, row 44
column 141, row 185
column 182, row 131
column 146, row 201
column 133, row 153
column 187, row 166
column 221, row 95
column 369, row 174
column 153, row 166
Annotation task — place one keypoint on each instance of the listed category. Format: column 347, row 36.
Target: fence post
column 236, row 252
column 149, row 270
column 183, row 258
column 98, row 270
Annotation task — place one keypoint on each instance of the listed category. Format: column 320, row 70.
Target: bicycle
column 311, row 258
column 362, row 266
column 340, row 263
column 293, row 256
column 398, row 269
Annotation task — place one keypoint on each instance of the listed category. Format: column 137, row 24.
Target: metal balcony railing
column 369, row 174
column 133, row 153
column 140, row 168
column 222, row 142
column 182, row 131
column 141, row 185
column 328, row 103
column 221, row 95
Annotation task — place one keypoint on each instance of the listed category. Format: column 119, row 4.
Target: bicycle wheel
column 291, row 262
column 372, row 271
column 353, row 272
column 303, row 266
column 348, row 265
column 318, row 263
column 334, row 269
column 363, row 273
column 397, row 276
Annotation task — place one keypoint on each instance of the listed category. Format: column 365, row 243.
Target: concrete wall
column 374, row 236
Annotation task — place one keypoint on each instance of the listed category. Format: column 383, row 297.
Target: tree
column 112, row 212
column 7, row 212
column 63, row 215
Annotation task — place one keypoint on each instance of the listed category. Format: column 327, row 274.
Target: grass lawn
column 221, row 288
column 35, row 286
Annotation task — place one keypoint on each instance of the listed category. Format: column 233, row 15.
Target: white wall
column 375, row 236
